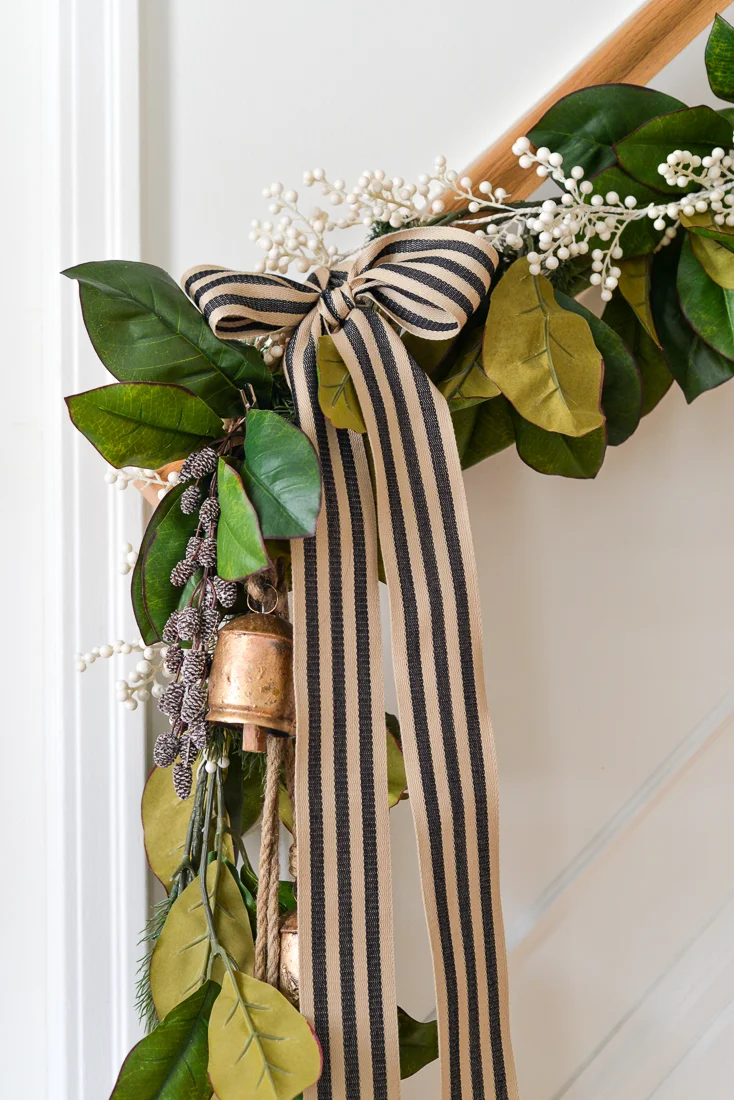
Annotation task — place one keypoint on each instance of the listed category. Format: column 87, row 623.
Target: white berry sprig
column 121, row 479
column 143, row 681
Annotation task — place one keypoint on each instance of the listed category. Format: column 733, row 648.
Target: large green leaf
column 164, row 544
column 171, row 1063
column 483, row 430
column 431, row 355
column 180, row 957
column 708, row 307
column 720, row 59
column 337, row 395
column 621, row 395
column 145, row 329
column 142, row 423
column 553, row 453
column 656, row 378
column 634, row 286
column 695, row 365
column 584, row 125
column 697, row 129
column 640, row 236
column 260, row 1047
column 542, row 357
column 418, row 1043
column 466, row 383
column 716, row 260
column 240, row 547
column 703, row 225
column 282, row 476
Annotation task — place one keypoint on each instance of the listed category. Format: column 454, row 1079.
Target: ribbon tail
column 447, row 738
column 347, row 983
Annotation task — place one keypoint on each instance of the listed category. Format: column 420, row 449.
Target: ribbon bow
column 429, row 281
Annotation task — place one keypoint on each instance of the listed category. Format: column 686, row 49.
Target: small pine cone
column 194, row 666
column 192, row 547
column 199, row 732
column 207, row 553
column 174, row 660
column 171, row 700
column 165, row 749
column 170, row 630
column 190, row 500
column 194, row 702
column 182, row 572
column 182, row 780
column 209, row 511
column 189, row 623
column 226, row 592
column 204, row 462
column 209, row 623
column 188, row 751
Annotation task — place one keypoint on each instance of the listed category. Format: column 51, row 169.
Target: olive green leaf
column 542, row 357
column 337, row 395
column 634, row 286
column 430, row 355
column 563, row 455
column 716, row 260
column 260, row 1047
column 171, row 1062
column 720, row 59
column 145, row 329
column 467, row 384
column 695, row 366
column 240, row 547
column 621, row 395
column 244, row 789
column 656, row 378
column 704, row 225
column 164, row 544
column 165, row 824
column 584, row 125
column 142, row 423
column 418, row 1043
column 282, row 476
column 181, row 954
column 639, row 237
column 483, row 430
column 698, row 129
column 707, row 307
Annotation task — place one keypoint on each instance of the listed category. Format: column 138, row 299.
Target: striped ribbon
column 428, row 281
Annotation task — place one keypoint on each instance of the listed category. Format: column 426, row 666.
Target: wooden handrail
column 634, row 54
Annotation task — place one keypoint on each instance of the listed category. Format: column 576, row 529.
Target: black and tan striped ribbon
column 429, row 281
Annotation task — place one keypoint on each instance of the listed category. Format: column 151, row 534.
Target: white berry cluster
column 128, row 558
column 143, row 681
column 130, row 474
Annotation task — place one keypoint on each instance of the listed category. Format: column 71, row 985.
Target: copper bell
column 251, row 680
column 288, row 976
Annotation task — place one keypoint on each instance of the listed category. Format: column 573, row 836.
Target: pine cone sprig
column 165, row 749
column 189, row 623
column 209, row 511
column 226, row 591
column 207, row 553
column 182, row 572
column 170, row 630
column 182, row 779
column 199, row 464
column 190, row 500
column 194, row 666
column 192, row 547
column 189, row 751
column 199, row 732
column 174, row 660
column 171, row 700
column 210, row 620
column 194, row 702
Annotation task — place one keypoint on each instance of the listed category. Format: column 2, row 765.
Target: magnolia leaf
column 418, row 1043
column 720, row 59
column 164, row 544
column 145, row 329
column 171, row 1063
column 584, row 125
column 716, row 260
column 483, row 430
column 430, row 355
column 707, row 307
column 165, row 824
column 260, row 1047
column 621, row 395
column 655, row 376
column 181, row 954
column 563, row 455
column 634, row 286
column 282, row 476
column 240, row 547
column 337, row 395
column 695, row 366
column 467, row 384
column 697, row 129
column 542, row 357
column 704, row 225
column 142, row 423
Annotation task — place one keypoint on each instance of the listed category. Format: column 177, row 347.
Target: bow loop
column 239, row 305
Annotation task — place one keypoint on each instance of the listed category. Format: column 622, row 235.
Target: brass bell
column 251, row 679
column 289, row 973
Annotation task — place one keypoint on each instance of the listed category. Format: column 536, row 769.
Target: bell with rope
column 251, row 679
